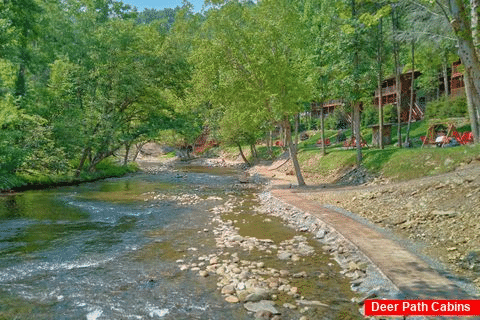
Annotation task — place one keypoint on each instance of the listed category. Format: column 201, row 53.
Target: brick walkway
column 413, row 276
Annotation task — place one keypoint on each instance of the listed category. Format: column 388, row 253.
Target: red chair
column 467, row 137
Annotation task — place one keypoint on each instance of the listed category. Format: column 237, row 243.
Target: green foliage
column 165, row 17
column 83, row 79
column 248, row 59
column 26, row 142
column 80, row 79
column 450, row 107
column 337, row 120
column 369, row 116
column 389, row 113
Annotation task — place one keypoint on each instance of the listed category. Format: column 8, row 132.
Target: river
column 109, row 249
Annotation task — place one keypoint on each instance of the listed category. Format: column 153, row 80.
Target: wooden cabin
column 389, row 95
column 327, row 106
column 457, row 86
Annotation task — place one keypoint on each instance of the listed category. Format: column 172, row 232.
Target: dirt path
column 435, row 217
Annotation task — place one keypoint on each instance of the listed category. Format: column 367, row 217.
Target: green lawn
column 393, row 163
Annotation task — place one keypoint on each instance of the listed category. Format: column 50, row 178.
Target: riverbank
column 272, row 268
column 438, row 214
column 435, row 217
column 24, row 182
column 436, row 197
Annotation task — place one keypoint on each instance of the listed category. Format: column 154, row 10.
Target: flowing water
column 108, row 250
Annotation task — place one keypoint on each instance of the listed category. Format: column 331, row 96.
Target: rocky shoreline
column 258, row 287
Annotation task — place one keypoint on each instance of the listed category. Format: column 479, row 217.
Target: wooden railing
column 385, row 91
column 333, row 102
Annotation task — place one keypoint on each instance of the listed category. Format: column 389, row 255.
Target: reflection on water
column 38, row 205
column 107, row 250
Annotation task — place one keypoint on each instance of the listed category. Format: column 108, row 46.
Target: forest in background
column 81, row 80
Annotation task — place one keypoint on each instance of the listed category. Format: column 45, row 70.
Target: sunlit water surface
column 107, row 250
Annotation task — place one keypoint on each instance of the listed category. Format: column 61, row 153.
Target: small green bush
column 369, row 116
column 337, row 120
column 389, row 113
column 451, row 107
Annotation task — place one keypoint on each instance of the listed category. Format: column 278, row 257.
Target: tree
column 463, row 17
column 116, row 95
column 250, row 58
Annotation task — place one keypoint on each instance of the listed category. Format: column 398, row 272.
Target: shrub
column 369, row 116
column 450, row 107
column 336, row 120
column 390, row 113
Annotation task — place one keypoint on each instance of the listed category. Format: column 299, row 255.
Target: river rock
column 231, row 299
column 263, row 315
column 444, row 213
column 258, row 294
column 242, row 295
column 244, row 275
column 284, row 255
column 264, row 305
column 311, row 303
column 228, row 289
column 284, row 273
column 289, row 306
column 321, row 234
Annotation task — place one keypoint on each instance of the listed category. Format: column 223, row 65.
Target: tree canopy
column 81, row 79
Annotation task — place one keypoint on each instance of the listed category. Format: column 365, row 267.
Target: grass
column 105, row 169
column 405, row 164
column 392, row 163
column 311, row 161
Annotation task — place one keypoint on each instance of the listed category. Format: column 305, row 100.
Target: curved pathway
column 414, row 277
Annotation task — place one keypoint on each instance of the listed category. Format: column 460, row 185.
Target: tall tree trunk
column 445, row 82
column 86, row 151
column 356, row 103
column 322, row 128
column 281, row 134
column 407, row 136
column 358, row 136
column 468, row 35
column 380, row 82
column 472, row 101
column 21, row 83
column 293, row 151
column 242, row 154
column 445, row 77
column 271, row 139
column 474, row 7
column 253, row 151
column 138, row 147
column 270, row 143
column 127, row 151
column 297, row 118
column 398, row 84
column 99, row 157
